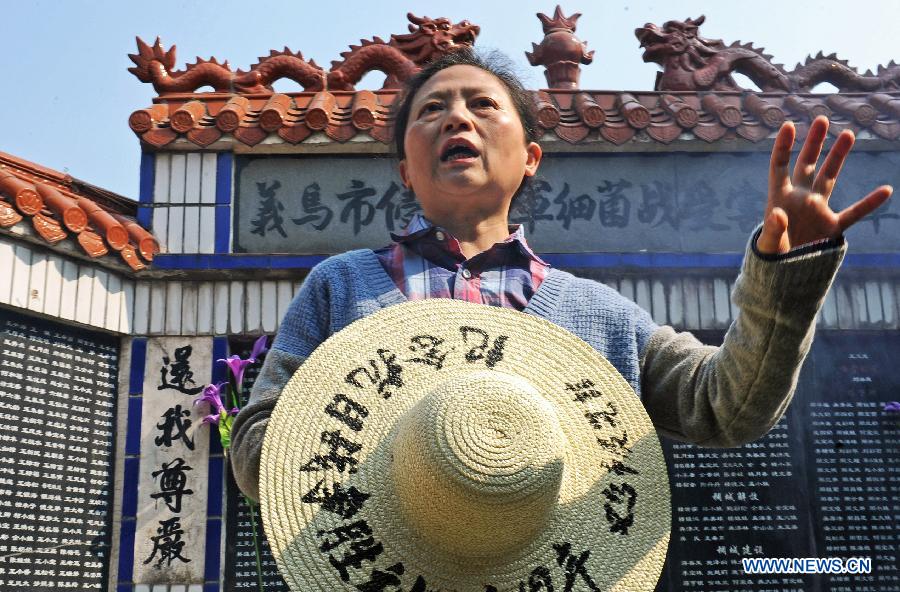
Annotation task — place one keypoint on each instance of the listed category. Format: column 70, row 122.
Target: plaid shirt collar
column 420, row 231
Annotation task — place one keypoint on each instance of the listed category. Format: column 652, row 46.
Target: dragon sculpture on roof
column 403, row 55
column 691, row 62
column 156, row 65
column 399, row 58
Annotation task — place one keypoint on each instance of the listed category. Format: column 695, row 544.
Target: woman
column 465, row 136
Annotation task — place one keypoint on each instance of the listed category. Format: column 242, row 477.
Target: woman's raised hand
column 797, row 210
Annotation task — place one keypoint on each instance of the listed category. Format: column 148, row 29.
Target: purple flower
column 259, row 348
column 893, row 406
column 215, row 418
column 237, row 367
column 212, row 394
column 212, row 418
column 221, row 416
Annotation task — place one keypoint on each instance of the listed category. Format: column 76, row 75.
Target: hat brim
column 329, row 505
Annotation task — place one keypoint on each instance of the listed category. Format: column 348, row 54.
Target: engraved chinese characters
column 171, row 516
column 853, row 454
column 688, row 203
column 57, row 400
column 820, row 484
column 438, row 445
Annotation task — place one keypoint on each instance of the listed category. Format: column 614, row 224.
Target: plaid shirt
column 425, row 261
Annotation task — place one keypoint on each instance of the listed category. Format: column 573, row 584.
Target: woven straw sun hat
column 441, row 445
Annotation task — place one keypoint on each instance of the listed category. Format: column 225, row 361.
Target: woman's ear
column 533, row 158
column 404, row 177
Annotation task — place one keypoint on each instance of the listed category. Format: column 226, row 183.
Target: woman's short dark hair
column 494, row 63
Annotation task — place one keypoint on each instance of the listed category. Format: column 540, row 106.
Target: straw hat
column 441, row 445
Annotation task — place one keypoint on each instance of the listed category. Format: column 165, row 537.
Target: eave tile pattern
column 574, row 116
column 58, row 209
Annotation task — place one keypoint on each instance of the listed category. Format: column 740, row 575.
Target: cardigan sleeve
column 733, row 394
column 304, row 327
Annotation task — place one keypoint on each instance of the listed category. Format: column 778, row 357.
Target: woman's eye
column 430, row 108
column 485, row 103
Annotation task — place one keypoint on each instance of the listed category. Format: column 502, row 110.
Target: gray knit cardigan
column 711, row 396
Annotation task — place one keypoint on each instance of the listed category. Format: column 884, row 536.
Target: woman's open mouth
column 458, row 151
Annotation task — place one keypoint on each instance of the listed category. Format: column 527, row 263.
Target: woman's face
column 465, row 145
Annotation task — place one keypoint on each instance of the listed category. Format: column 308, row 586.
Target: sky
column 66, row 92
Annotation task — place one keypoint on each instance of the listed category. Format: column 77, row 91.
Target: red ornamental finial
column 559, row 21
column 561, row 51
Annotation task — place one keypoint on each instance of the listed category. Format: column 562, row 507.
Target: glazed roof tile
column 575, row 116
column 695, row 95
column 60, row 206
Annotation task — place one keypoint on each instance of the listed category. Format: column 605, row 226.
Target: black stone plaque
column 240, row 555
column 823, row 483
column 57, row 410
column 852, row 453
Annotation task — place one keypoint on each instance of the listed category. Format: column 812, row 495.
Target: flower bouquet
column 217, row 395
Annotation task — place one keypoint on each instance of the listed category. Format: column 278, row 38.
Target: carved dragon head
column 677, row 38
column 429, row 38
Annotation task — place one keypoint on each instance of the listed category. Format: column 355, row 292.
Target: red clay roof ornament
column 402, row 56
column 560, row 52
column 58, row 205
column 156, row 65
column 399, row 58
column 693, row 63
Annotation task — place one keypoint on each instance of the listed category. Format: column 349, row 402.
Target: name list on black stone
column 57, row 398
